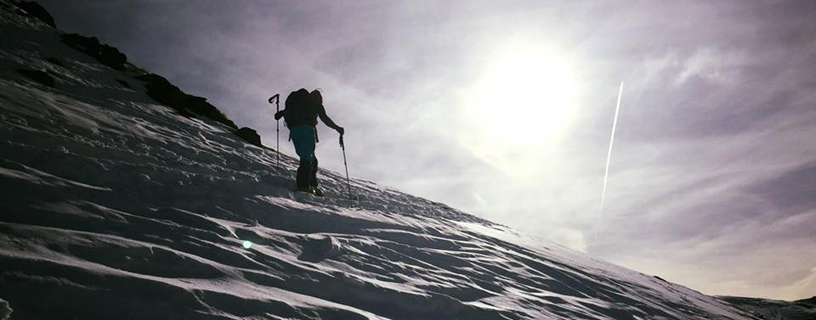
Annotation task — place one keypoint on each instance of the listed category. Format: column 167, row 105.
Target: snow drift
column 116, row 205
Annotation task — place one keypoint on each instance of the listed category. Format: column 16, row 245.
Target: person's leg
column 303, row 138
column 302, row 178
column 313, row 173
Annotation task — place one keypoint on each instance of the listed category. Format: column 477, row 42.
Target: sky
column 504, row 109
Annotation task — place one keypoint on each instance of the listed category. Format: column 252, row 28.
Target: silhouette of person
column 302, row 110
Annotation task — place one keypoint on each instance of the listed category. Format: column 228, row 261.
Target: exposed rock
column 103, row 53
column 200, row 106
column 124, row 83
column 157, row 86
column 35, row 10
column 164, row 92
column 55, row 62
column 168, row 94
column 38, row 76
column 249, row 135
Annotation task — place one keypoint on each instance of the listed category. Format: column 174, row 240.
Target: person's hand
column 341, row 131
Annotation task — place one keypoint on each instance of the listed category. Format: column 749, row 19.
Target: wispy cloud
column 712, row 172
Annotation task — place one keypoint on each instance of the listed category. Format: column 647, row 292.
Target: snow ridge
column 117, row 207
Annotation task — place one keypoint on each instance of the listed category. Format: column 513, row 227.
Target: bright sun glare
column 527, row 96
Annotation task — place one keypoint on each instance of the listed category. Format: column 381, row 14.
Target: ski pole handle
column 276, row 99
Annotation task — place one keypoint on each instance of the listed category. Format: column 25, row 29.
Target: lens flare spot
column 247, row 244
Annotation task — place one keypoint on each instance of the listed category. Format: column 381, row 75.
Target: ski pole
column 276, row 97
column 348, row 182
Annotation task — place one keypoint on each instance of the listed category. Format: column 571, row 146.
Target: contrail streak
column 609, row 154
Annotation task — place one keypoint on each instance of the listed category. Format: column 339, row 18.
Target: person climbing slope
column 300, row 113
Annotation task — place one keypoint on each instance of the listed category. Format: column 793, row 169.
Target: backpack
column 299, row 110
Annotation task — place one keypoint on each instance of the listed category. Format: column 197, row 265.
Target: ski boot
column 318, row 191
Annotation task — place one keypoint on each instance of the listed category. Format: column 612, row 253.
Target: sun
column 527, row 95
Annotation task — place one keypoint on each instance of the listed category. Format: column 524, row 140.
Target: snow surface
column 114, row 206
column 804, row 309
column 5, row 310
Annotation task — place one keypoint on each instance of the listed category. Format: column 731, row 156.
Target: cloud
column 802, row 288
column 757, row 267
column 714, row 143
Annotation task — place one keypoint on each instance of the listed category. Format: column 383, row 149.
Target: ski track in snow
column 117, row 207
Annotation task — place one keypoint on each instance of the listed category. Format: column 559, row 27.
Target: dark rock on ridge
column 91, row 46
column 35, row 10
column 55, row 62
column 168, row 94
column 158, row 88
column 249, row 135
column 38, row 76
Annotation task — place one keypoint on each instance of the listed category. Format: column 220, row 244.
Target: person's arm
column 321, row 112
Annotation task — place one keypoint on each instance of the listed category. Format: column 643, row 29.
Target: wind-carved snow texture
column 5, row 311
column 115, row 207
column 804, row 309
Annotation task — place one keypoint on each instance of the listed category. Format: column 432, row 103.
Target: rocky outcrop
column 158, row 88
column 249, row 135
column 91, row 46
column 38, row 76
column 168, row 94
column 36, row 11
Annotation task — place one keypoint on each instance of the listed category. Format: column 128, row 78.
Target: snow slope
column 116, row 207
column 804, row 309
